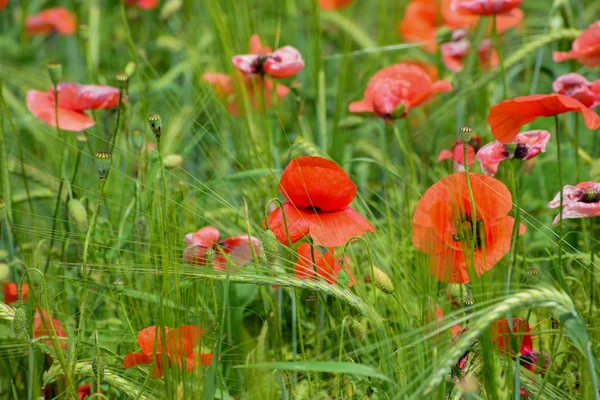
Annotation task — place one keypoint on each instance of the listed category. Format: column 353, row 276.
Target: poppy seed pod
column 78, row 214
column 122, row 78
column 102, row 162
column 19, row 322
column 130, row 68
column 466, row 134
column 155, row 124
column 357, row 329
column 81, row 140
column 382, row 281
column 271, row 246
column 55, row 72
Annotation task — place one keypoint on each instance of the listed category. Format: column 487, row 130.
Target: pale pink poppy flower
column 73, row 100
column 579, row 201
column 457, row 154
column 237, row 248
column 579, row 88
column 526, row 146
column 455, row 51
column 484, row 7
column 281, row 63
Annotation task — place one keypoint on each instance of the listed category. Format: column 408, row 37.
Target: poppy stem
column 285, row 225
column 370, row 258
column 560, row 221
column 473, row 210
column 497, row 45
column 592, row 266
column 515, row 230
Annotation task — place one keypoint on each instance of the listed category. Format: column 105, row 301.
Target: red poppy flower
column 457, row 154
column 507, row 117
column 442, row 225
column 235, row 248
column 73, row 100
column 579, row 88
column 318, row 192
column 585, row 49
column 84, row 391
column 334, row 4
column 226, row 87
column 11, row 292
column 484, row 7
column 51, row 20
column 42, row 326
column 3, row 3
column 143, row 4
column 399, row 86
column 526, row 146
column 175, row 346
column 455, row 51
column 326, row 266
column 281, row 63
column 579, row 201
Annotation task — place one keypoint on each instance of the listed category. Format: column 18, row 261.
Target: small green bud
column 55, row 72
column 81, row 140
column 270, row 246
column 443, row 35
column 382, row 281
column 155, row 124
column 130, row 68
column 102, row 162
column 399, row 111
column 357, row 329
column 3, row 210
column 466, row 134
column 19, row 322
column 78, row 214
column 122, row 78
column 173, row 161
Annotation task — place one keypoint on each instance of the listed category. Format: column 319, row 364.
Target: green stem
column 497, row 45
column 559, row 232
column 515, row 230
column 592, row 267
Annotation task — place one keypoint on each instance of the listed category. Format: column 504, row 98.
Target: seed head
column 55, row 72
column 102, row 162
column 19, row 322
column 357, row 329
column 382, row 281
column 271, row 246
column 78, row 214
column 466, row 134
column 122, row 78
column 155, row 124
column 533, row 271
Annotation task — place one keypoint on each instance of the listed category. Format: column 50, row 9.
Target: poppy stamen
column 590, row 196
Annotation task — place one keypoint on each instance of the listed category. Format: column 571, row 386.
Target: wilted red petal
column 419, row 23
column 222, row 83
column 57, row 19
column 256, row 47
column 42, row 106
column 521, row 331
column 78, row 97
column 239, row 250
column 11, row 292
column 507, row 118
column 334, row 4
column 143, row 4
column 284, row 62
column 335, row 229
column 197, row 244
column 585, row 49
column 484, row 7
column 147, row 337
column 133, row 359
column 490, row 156
column 576, row 201
column 316, row 182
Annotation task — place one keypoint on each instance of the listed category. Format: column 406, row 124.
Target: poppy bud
column 102, row 162
column 2, row 210
column 130, row 68
column 382, row 280
column 137, row 139
column 173, row 161
column 81, row 140
column 466, row 134
column 399, row 111
column 55, row 72
column 357, row 329
column 271, row 246
column 122, row 77
column 78, row 214
column 443, row 35
column 19, row 322
column 155, row 124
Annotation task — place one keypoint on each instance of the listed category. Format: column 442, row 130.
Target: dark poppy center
column 527, row 358
column 590, row 195
column 520, row 152
column 465, row 231
column 258, row 64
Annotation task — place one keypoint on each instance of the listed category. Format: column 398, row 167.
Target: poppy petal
column 42, row 107
column 146, row 339
column 484, row 7
column 334, row 4
column 490, row 156
column 507, row 117
column 316, row 182
column 246, row 63
column 57, row 19
column 283, row 63
column 256, row 46
column 78, row 97
column 298, row 226
column 336, row 228
column 239, row 250
column 133, row 359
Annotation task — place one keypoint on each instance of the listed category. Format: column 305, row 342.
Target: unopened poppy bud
column 511, row 148
column 81, row 140
column 19, row 322
column 2, row 210
column 382, row 281
column 399, row 111
column 271, row 246
column 155, row 124
column 443, row 35
column 122, row 78
column 357, row 329
column 78, row 214
column 466, row 134
column 102, row 162
column 173, row 161
column 55, row 72
column 130, row 68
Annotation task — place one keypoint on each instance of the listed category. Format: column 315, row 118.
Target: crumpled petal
column 284, row 62
column 42, row 107
column 585, row 49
